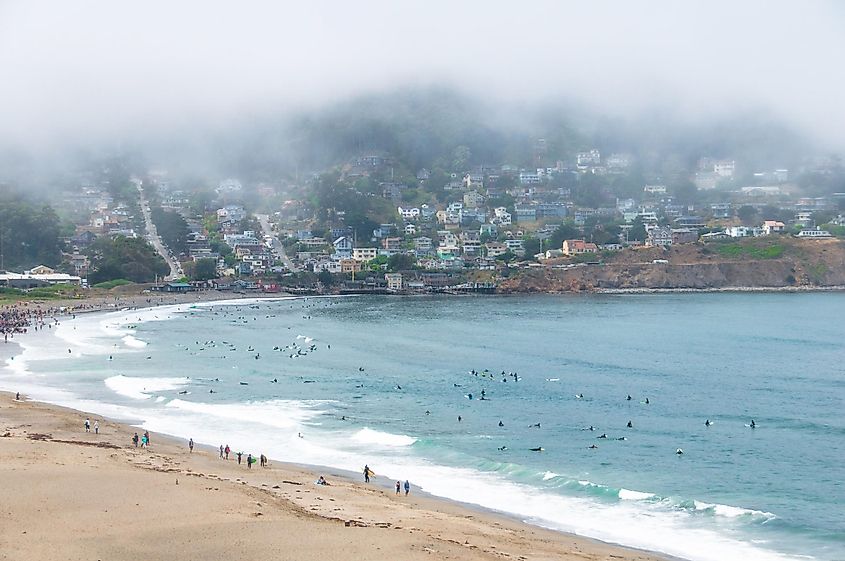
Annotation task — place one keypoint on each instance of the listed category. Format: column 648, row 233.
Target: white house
column 394, row 281
column 502, row 216
column 409, row 213
column 364, row 254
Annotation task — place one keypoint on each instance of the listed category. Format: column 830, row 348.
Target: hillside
column 756, row 263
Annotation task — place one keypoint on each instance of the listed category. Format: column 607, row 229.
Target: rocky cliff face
column 769, row 263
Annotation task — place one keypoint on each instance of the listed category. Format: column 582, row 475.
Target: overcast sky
column 78, row 69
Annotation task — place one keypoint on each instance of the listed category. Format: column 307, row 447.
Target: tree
column 637, row 231
column 460, row 158
column 400, row 262
column 29, row 235
column 532, row 246
column 325, row 277
column 563, row 232
column 747, row 214
column 685, row 192
column 205, row 269
column 125, row 258
column 172, row 228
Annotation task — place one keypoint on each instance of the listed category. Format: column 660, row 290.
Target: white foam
column 729, row 511
column 370, row 436
column 133, row 342
column 629, row 495
column 283, row 414
column 550, row 475
column 142, row 388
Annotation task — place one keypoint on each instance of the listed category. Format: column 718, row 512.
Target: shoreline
column 49, row 418
column 727, row 289
column 464, row 510
column 50, row 443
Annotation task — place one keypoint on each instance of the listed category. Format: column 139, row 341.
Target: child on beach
column 398, row 485
column 135, row 440
column 87, row 425
column 96, row 427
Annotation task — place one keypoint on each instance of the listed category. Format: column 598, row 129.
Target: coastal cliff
column 779, row 263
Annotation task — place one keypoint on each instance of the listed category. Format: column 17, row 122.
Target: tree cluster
column 132, row 259
column 29, row 233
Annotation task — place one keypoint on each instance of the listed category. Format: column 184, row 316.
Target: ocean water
column 382, row 380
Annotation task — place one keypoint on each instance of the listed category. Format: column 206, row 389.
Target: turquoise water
column 771, row 492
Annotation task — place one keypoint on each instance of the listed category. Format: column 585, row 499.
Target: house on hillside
column 772, row 227
column 577, row 247
column 343, row 247
column 659, row 236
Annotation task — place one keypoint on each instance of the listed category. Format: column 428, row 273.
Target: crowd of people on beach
column 19, row 318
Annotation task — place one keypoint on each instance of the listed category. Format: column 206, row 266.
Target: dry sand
column 72, row 495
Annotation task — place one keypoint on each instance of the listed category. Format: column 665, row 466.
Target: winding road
column 154, row 239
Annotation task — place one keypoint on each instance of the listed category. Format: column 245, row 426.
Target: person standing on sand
column 227, row 450
column 135, row 440
column 191, row 445
column 96, row 427
column 239, row 457
column 249, row 461
column 87, row 425
column 367, row 473
column 398, row 485
column 407, row 487
column 147, row 436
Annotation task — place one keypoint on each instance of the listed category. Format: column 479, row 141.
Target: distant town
column 371, row 225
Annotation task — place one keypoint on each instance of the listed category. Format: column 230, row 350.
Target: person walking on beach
column 239, row 457
column 398, row 485
column 147, row 436
column 367, row 472
column 407, row 487
column 227, row 450
column 87, row 425
column 144, row 441
column 135, row 440
column 96, row 427
column 249, row 460
column 191, row 445
column 221, row 451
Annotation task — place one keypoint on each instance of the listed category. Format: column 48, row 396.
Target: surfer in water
column 707, row 423
column 537, row 449
column 753, row 425
column 630, row 425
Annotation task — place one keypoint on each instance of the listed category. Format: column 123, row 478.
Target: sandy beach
column 72, row 495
